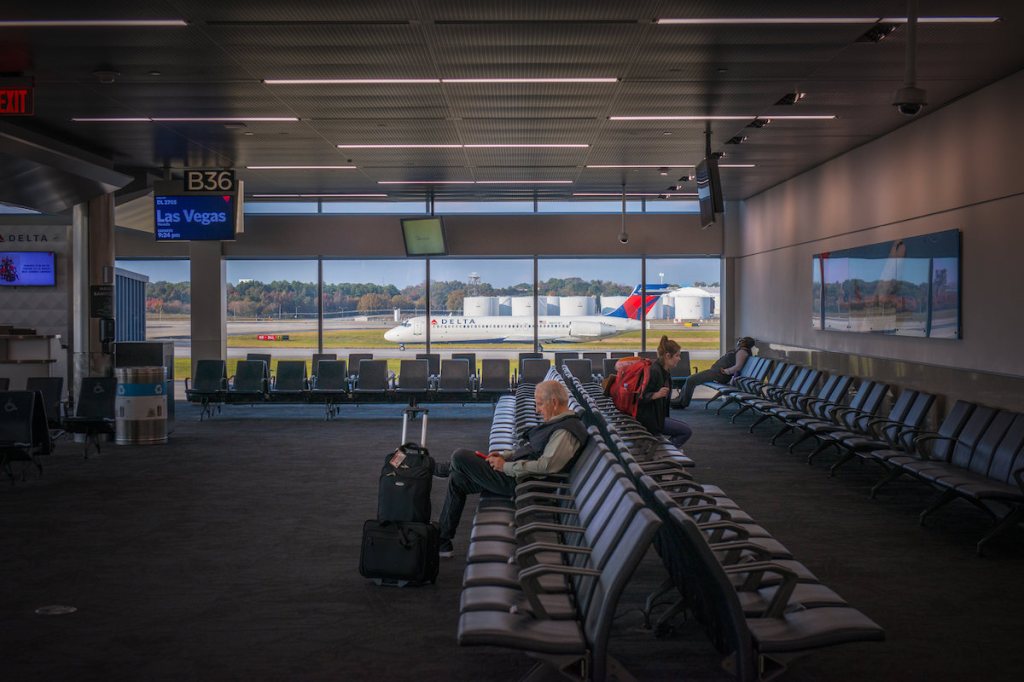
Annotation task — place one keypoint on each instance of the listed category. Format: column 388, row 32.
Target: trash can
column 140, row 410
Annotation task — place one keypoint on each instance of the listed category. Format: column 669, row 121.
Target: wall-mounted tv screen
column 906, row 287
column 28, row 269
column 424, row 237
column 709, row 191
column 197, row 217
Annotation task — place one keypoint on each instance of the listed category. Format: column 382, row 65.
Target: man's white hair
column 551, row 390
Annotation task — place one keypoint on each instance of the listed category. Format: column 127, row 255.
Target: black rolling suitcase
column 400, row 546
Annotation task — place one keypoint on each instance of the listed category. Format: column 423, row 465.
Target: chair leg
column 800, row 439
column 743, row 408
column 712, row 399
column 944, row 498
column 843, row 459
column 666, row 586
column 762, row 418
column 1011, row 519
column 892, row 475
column 786, row 428
column 822, row 446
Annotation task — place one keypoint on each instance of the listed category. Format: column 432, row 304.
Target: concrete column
column 729, row 315
column 209, row 292
column 92, row 257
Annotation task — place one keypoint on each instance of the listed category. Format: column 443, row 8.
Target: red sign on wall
column 17, row 101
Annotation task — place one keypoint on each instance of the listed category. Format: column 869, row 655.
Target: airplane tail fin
column 630, row 309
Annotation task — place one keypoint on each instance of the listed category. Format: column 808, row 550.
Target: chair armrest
column 538, row 496
column 755, row 572
column 528, row 577
column 187, row 387
column 537, row 526
column 1018, row 476
column 543, row 509
column 718, row 528
column 686, row 485
column 928, row 438
column 535, row 547
column 538, row 485
column 734, row 548
column 696, row 512
column 703, row 497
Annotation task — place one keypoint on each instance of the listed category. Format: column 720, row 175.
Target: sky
column 405, row 272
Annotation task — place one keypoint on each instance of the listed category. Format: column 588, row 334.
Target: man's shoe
column 442, row 469
column 446, row 549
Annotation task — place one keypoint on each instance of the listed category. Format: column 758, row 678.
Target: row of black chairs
column 976, row 453
column 759, row 606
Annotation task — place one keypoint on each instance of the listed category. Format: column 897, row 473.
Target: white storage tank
column 691, row 303
column 575, row 306
column 550, row 305
column 610, row 303
column 478, row 306
column 522, row 306
column 504, row 305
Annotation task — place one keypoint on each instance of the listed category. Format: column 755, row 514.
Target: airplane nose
column 389, row 335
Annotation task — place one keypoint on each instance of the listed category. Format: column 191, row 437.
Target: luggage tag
column 397, row 459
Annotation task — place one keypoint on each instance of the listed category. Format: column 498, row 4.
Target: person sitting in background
column 652, row 411
column 548, row 448
column 722, row 371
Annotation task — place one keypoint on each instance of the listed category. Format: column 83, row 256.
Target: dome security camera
column 910, row 100
column 624, row 237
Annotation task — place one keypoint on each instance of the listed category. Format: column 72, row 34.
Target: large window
column 482, row 305
column 587, row 301
column 690, row 312
column 364, row 299
column 168, row 307
column 271, row 309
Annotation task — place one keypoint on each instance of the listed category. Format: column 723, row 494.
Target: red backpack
column 631, row 375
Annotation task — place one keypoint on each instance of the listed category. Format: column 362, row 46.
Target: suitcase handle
column 403, row 533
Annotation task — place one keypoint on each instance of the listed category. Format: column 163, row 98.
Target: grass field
column 183, row 366
column 689, row 339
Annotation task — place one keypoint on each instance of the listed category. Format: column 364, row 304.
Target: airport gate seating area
column 975, row 453
column 545, row 571
column 362, row 378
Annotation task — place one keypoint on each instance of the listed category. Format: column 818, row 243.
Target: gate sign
column 17, row 101
column 210, row 181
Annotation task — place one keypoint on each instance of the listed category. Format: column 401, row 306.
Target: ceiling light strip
column 474, row 182
column 93, row 23
column 463, row 146
column 162, row 119
column 318, row 196
column 634, row 194
column 659, row 165
column 301, row 167
column 399, row 146
column 805, row 117
column 791, row 21
column 430, row 81
column 459, row 81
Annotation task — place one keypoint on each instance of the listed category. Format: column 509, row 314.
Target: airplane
column 508, row 329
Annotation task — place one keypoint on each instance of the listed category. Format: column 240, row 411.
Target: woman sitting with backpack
column 652, row 410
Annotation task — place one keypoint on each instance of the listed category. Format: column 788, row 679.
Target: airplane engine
column 591, row 329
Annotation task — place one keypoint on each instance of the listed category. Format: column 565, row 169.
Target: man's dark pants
column 470, row 474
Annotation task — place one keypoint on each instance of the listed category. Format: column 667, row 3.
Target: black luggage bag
column 403, row 492
column 398, row 553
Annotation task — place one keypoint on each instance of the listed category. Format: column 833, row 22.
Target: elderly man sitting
column 548, row 448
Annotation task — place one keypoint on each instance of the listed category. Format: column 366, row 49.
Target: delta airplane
column 506, row 328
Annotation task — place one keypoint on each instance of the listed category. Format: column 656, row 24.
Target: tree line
column 281, row 298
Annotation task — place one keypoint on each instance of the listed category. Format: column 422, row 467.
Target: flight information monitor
column 424, row 237
column 27, row 269
column 195, row 218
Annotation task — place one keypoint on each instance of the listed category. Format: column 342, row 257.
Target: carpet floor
column 232, row 552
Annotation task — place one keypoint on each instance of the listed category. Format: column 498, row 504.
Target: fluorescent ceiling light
column 817, row 117
column 351, row 81
column 301, row 167
column 526, row 146
column 737, row 165
column 463, row 146
column 91, row 23
column 524, row 182
column 660, row 165
column 788, row 21
column 426, row 182
column 318, row 196
column 426, row 81
column 399, row 146
column 216, row 119
column 634, row 194
column 529, row 80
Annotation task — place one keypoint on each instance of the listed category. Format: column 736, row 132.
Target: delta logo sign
column 451, row 321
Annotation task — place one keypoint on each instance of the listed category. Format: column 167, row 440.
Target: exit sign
column 17, row 101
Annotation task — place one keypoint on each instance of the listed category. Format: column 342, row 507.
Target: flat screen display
column 195, row 218
column 424, row 237
column 709, row 191
column 905, row 287
column 27, row 269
